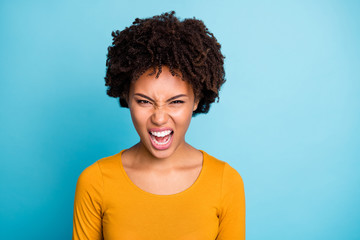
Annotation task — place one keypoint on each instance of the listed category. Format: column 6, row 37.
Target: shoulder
column 93, row 174
column 110, row 163
column 89, row 178
column 226, row 168
column 213, row 162
column 230, row 176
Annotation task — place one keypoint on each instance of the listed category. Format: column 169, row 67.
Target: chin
column 161, row 153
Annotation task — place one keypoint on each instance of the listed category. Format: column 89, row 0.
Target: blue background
column 288, row 118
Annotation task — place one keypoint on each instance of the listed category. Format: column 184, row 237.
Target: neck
column 142, row 157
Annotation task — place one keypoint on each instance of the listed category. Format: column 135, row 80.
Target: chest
column 164, row 182
column 182, row 204
column 180, row 218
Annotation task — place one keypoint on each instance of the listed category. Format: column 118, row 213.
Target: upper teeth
column 161, row 134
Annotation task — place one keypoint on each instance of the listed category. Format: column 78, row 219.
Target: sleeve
column 87, row 219
column 232, row 206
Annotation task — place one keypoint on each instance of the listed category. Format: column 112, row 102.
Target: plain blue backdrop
column 288, row 118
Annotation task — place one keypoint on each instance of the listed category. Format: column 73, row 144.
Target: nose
column 159, row 117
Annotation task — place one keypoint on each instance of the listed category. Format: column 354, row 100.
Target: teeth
column 161, row 134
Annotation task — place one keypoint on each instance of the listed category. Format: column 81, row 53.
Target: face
column 161, row 110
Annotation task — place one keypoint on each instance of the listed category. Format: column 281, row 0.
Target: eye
column 143, row 102
column 177, row 102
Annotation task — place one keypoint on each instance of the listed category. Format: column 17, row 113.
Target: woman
column 165, row 71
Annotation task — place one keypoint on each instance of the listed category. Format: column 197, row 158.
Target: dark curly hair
column 186, row 46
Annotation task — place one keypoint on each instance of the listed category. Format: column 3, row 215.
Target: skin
column 163, row 102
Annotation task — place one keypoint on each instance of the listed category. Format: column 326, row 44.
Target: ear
column 124, row 100
column 196, row 103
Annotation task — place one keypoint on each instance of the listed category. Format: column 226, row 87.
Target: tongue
column 162, row 139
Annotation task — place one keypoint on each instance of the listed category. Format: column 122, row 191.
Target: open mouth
column 161, row 139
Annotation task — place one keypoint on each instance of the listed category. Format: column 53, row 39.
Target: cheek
column 139, row 119
column 182, row 119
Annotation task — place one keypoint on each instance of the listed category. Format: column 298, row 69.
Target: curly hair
column 186, row 46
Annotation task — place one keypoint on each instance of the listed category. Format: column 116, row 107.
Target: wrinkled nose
column 159, row 117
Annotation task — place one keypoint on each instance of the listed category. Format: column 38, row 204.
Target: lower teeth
column 161, row 143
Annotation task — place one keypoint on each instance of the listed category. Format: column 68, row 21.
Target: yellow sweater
column 108, row 205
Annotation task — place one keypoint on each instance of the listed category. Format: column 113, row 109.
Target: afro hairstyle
column 184, row 46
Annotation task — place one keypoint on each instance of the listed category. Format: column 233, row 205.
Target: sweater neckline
column 189, row 189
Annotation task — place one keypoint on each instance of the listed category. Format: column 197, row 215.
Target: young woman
column 165, row 71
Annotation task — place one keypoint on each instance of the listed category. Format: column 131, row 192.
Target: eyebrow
column 170, row 99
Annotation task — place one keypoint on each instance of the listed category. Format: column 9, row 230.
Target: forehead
column 165, row 84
